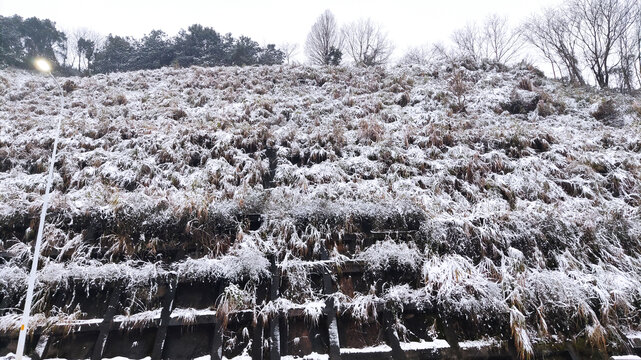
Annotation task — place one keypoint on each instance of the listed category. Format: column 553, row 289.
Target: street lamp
column 44, row 66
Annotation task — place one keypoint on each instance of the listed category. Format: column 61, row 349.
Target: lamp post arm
column 36, row 252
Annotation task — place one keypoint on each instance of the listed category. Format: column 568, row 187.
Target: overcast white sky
column 408, row 23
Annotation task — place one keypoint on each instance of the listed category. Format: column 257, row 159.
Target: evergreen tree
column 22, row 41
column 11, row 49
column 245, row 52
column 154, row 51
column 41, row 38
column 115, row 56
column 227, row 46
column 271, row 56
column 334, row 56
column 199, row 45
column 86, row 49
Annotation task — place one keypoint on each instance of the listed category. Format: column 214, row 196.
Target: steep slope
column 367, row 190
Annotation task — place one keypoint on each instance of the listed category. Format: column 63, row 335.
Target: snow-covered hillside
column 518, row 218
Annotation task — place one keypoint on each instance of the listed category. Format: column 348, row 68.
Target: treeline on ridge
column 21, row 40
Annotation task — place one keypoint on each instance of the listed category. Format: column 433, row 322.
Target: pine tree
column 245, row 52
column 85, row 49
column 154, row 51
column 115, row 56
column 22, row 41
column 11, row 49
column 199, row 45
column 271, row 56
column 334, row 56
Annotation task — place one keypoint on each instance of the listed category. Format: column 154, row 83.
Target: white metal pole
column 36, row 252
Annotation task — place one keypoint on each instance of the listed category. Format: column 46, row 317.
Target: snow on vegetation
column 387, row 253
column 522, row 212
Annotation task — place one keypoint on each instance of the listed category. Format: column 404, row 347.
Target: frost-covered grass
column 517, row 222
column 385, row 254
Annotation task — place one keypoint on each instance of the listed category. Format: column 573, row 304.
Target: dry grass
column 606, row 110
column 459, row 87
column 498, row 213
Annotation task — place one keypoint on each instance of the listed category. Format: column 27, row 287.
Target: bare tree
column 494, row 40
column 627, row 54
column 77, row 54
column 323, row 37
column 367, row 43
column 603, row 35
column 469, row 42
column 552, row 34
column 502, row 42
column 459, row 88
column 289, row 50
column 600, row 26
column 637, row 49
column 549, row 54
column 442, row 53
column 420, row 55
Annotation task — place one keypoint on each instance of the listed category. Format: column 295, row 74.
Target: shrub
column 469, row 64
column 402, row 99
column 118, row 100
column 544, row 109
column 267, row 106
column 17, row 96
column 525, row 84
column 69, row 86
column 370, row 130
column 540, row 144
column 636, row 109
column 526, row 65
column 555, row 105
column 197, row 100
column 606, row 110
column 459, row 88
column 121, row 100
column 521, row 102
column 178, row 114
column 4, row 82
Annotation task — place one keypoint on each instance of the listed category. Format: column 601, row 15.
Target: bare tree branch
column 420, row 55
column 600, row 26
column 289, row 50
column 323, row 36
column 494, row 41
column 551, row 33
column 366, row 43
column 469, row 42
column 77, row 58
column 503, row 42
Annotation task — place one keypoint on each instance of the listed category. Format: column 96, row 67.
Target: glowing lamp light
column 42, row 65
